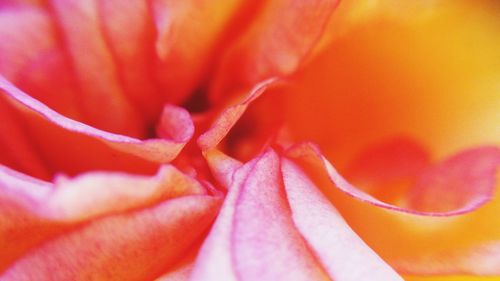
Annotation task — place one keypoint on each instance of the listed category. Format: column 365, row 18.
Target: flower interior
column 388, row 96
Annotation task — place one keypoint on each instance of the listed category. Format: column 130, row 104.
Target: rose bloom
column 249, row 140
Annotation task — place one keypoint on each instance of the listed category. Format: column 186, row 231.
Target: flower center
column 389, row 95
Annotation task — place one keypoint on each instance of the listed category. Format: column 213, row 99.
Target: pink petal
column 265, row 243
column 461, row 240
column 214, row 261
column 243, row 242
column 62, row 136
column 341, row 252
column 466, row 179
column 32, row 211
column 310, row 152
column 84, row 197
column 131, row 246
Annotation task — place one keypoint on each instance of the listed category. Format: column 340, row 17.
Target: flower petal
column 265, row 244
column 226, row 120
column 131, row 246
column 129, row 32
column 341, row 252
column 17, row 149
column 485, row 184
column 455, row 241
column 214, row 261
column 33, row 59
column 187, row 37
column 222, row 166
column 277, row 41
column 311, row 234
column 468, row 178
column 420, row 61
column 58, row 136
column 84, row 197
column 32, row 211
column 105, row 104
column 179, row 274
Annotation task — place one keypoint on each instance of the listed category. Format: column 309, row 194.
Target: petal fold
column 34, row 211
column 276, row 42
column 341, row 252
column 275, row 225
column 105, row 104
column 62, row 136
column 461, row 240
column 130, row 246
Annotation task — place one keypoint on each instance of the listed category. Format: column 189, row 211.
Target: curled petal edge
column 53, row 208
column 220, row 128
column 155, row 150
column 311, row 153
column 94, row 194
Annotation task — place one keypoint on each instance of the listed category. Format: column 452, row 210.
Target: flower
column 171, row 140
column 403, row 121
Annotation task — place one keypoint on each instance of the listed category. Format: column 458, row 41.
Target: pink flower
column 170, row 140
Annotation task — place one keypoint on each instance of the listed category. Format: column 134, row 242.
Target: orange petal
column 421, row 62
column 222, row 166
column 187, row 36
column 129, row 31
column 276, row 42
